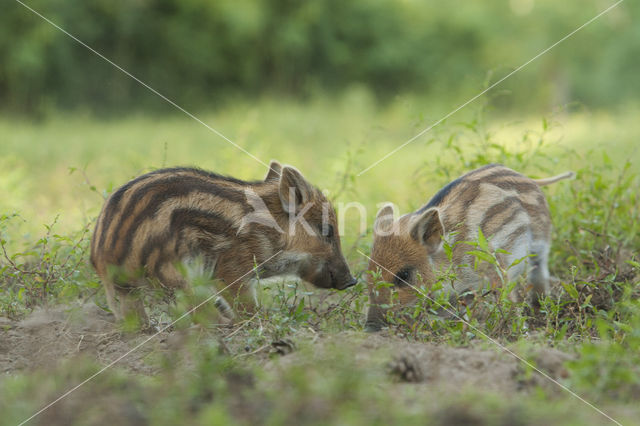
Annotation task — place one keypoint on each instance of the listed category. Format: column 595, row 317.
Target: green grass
column 62, row 167
column 327, row 140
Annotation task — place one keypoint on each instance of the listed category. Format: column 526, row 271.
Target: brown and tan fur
column 153, row 227
column 509, row 208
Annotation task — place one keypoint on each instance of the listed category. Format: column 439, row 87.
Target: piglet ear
column 295, row 191
column 384, row 219
column 427, row 229
column 275, row 170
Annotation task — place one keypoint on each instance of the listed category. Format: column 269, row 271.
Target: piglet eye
column 402, row 277
column 326, row 231
column 330, row 231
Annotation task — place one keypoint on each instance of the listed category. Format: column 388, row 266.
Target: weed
column 51, row 269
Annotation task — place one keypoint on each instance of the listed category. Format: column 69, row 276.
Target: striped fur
column 509, row 208
column 160, row 224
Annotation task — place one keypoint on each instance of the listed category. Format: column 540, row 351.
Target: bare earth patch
column 50, row 335
column 421, row 375
column 432, row 366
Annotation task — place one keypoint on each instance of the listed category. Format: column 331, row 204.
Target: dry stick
column 245, row 322
column 12, row 263
column 85, row 231
column 260, row 349
column 104, row 197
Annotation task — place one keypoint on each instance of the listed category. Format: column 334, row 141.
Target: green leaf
column 484, row 256
column 482, row 241
column 573, row 292
column 634, row 263
column 587, row 301
column 300, row 308
column 518, row 261
column 448, row 251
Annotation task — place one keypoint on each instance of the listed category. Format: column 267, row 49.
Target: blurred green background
column 200, row 53
column 329, row 86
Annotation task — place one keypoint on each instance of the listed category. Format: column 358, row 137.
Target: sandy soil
column 49, row 336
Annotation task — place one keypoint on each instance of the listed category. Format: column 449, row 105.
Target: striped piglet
column 509, row 208
column 161, row 225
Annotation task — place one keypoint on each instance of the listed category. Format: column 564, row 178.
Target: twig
column 245, row 322
column 260, row 349
column 79, row 343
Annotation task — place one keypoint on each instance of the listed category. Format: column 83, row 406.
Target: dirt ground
column 416, row 373
column 50, row 335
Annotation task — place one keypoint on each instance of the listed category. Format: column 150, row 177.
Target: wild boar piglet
column 408, row 252
column 160, row 226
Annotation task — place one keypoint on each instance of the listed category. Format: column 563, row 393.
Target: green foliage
column 599, row 234
column 198, row 53
column 609, row 368
column 52, row 268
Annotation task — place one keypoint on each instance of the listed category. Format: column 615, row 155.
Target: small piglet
column 161, row 225
column 508, row 207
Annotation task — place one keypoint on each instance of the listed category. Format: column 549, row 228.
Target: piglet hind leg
column 112, row 303
column 538, row 276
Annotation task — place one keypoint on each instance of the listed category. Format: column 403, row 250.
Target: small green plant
column 610, row 367
column 52, row 268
